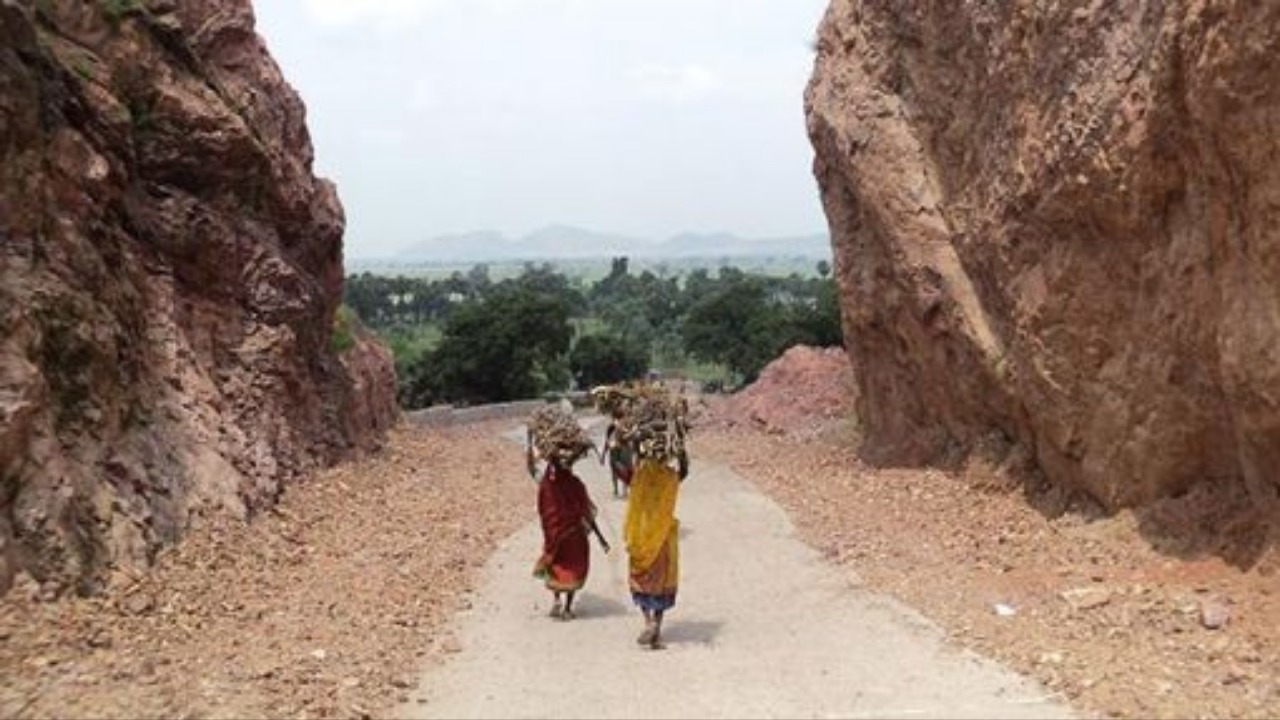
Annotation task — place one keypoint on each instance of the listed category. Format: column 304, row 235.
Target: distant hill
column 687, row 245
column 566, row 242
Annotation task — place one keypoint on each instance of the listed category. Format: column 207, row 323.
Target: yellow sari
column 650, row 532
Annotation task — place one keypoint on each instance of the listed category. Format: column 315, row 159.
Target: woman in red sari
column 567, row 513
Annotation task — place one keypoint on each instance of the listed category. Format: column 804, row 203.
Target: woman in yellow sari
column 651, row 530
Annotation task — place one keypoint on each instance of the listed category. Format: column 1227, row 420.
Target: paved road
column 763, row 627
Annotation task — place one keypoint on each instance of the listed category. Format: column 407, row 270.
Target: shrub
column 343, row 336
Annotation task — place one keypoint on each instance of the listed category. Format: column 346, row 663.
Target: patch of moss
column 66, row 358
column 117, row 10
column 83, row 68
column 343, row 337
column 140, row 115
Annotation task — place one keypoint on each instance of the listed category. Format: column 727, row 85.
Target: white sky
column 638, row 117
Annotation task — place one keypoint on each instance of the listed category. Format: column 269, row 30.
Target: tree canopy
column 510, row 343
column 467, row 339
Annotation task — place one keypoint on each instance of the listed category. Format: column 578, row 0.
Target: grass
column 410, row 342
column 343, row 337
column 83, row 67
column 701, row 373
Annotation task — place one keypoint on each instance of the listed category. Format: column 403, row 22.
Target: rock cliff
column 170, row 270
column 1055, row 229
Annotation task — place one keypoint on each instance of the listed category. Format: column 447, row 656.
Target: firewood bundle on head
column 649, row 418
column 557, row 436
column 612, row 400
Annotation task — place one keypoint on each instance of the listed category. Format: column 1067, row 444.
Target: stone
column 1090, row 269
column 1214, row 614
column 1004, row 609
column 1086, row 598
column 139, row 604
column 170, row 270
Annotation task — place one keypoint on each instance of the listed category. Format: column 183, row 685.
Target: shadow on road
column 695, row 632
column 589, row 607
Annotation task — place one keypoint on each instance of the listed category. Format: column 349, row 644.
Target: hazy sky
column 639, row 117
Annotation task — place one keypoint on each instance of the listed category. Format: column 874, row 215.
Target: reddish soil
column 331, row 605
column 815, row 386
column 328, row 607
column 1121, row 616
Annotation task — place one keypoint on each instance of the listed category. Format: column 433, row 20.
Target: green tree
column 626, row 318
column 544, row 280
column 820, row 319
column 739, row 326
column 508, row 345
column 599, row 359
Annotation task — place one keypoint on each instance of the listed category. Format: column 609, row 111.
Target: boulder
column 170, row 270
column 1055, row 227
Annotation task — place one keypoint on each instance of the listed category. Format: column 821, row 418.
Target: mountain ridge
column 565, row 242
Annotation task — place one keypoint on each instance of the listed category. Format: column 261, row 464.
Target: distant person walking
column 620, row 457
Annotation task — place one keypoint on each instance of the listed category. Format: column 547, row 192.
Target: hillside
column 169, row 275
column 346, row 599
column 565, row 242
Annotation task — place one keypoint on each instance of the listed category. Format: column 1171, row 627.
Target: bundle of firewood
column 648, row 418
column 556, row 435
column 612, row 399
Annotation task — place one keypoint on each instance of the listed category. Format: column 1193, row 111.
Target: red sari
column 564, row 507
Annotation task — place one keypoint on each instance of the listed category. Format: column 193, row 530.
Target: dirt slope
column 816, row 382
column 1136, row 615
column 326, row 608
column 333, row 606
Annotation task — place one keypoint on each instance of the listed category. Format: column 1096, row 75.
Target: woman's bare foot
column 557, row 611
column 656, row 642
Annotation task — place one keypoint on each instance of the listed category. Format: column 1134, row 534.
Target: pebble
column 1050, row 658
column 1086, row 598
column 139, row 604
column 1214, row 614
column 1005, row 610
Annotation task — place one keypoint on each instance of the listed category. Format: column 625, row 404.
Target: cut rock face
column 1056, row 226
column 170, row 270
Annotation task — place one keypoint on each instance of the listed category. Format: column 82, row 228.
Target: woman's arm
column 530, row 456
column 608, row 443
